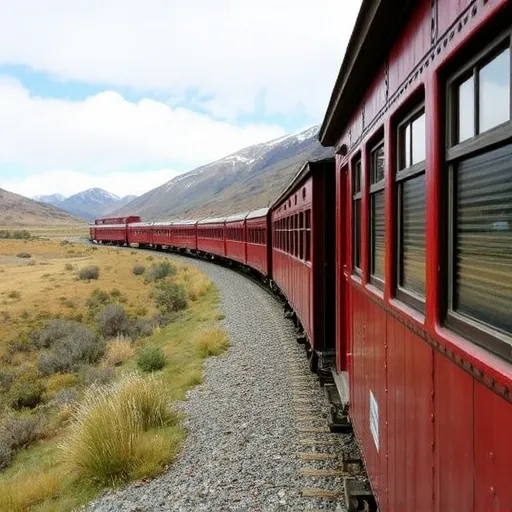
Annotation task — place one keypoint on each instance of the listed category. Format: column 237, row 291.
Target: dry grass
column 211, row 342
column 194, row 281
column 27, row 490
column 60, row 288
column 119, row 350
column 107, row 442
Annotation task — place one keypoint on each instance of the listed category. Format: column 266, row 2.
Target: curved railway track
column 259, row 431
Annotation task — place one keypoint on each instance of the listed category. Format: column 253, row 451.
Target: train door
column 330, row 237
column 342, row 269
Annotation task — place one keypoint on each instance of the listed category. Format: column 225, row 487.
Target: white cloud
column 229, row 50
column 107, row 133
column 69, row 182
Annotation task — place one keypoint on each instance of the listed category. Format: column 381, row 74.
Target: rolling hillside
column 19, row 211
column 246, row 180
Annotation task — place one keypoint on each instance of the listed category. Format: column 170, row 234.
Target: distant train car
column 258, row 246
column 140, row 233
column 236, row 248
column 161, row 234
column 110, row 233
column 420, row 117
column 118, row 220
column 183, row 234
column 303, row 254
column 211, row 236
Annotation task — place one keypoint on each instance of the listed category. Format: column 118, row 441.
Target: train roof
column 236, row 217
column 307, row 168
column 213, row 220
column 378, row 25
column 110, row 226
column 140, row 224
column 188, row 222
column 262, row 212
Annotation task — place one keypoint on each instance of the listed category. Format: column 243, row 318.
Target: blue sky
column 125, row 95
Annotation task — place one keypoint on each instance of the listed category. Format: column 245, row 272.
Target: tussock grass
column 211, row 342
column 25, row 491
column 107, row 442
column 119, row 350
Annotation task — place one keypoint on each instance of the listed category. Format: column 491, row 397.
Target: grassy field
column 58, row 440
column 52, row 231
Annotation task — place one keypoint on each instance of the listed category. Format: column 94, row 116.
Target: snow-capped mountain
column 87, row 204
column 250, row 178
column 54, row 199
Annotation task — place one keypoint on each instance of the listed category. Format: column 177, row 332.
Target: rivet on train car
column 491, row 455
column 492, row 491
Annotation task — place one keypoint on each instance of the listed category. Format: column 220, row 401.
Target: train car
column 303, row 245
column 184, row 235
column 211, row 236
column 140, row 233
column 420, row 121
column 111, row 233
column 236, row 248
column 161, row 234
column 258, row 232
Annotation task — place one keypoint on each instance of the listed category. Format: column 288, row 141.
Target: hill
column 19, row 211
column 246, row 180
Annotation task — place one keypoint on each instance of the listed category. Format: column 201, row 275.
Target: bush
column 151, row 358
column 6, row 380
column 65, row 396
column 69, row 266
column 90, row 375
column 6, row 452
column 211, row 342
column 23, row 255
column 119, row 350
column 139, row 269
column 26, row 394
column 88, row 273
column 69, row 352
column 54, row 331
column 21, row 431
column 98, row 298
column 14, row 294
column 115, row 293
column 160, row 271
column 113, row 321
column 171, row 297
column 143, row 327
column 105, row 439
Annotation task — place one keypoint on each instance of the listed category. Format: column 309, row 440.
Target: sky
column 127, row 94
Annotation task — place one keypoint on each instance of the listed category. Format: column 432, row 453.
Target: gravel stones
column 241, row 451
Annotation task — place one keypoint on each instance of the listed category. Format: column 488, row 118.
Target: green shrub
column 112, row 321
column 105, row 438
column 98, row 298
column 160, row 271
column 54, row 331
column 6, row 380
column 171, row 297
column 151, row 359
column 88, row 273
column 6, row 452
column 23, row 430
column 115, row 293
column 139, row 269
column 26, row 394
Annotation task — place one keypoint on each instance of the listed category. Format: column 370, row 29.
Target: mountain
column 54, row 199
column 246, row 180
column 19, row 211
column 94, row 202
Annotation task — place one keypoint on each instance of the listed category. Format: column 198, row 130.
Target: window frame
column 480, row 333
column 357, row 198
column 373, row 189
column 409, row 297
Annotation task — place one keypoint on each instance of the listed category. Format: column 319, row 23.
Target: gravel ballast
column 242, row 451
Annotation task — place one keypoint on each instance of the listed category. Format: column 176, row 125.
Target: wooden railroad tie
column 321, row 473
column 317, row 442
column 309, row 418
column 320, row 493
column 314, row 430
column 316, row 456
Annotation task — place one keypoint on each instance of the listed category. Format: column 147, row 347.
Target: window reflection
column 494, row 87
column 466, row 110
column 418, row 139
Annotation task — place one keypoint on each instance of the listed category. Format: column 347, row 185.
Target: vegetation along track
column 258, row 429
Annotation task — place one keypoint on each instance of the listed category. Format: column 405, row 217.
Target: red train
column 395, row 258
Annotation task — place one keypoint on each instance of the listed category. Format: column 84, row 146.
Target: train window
column 301, row 235
column 410, row 191
column 296, row 235
column 377, row 215
column 308, row 235
column 356, row 215
column 479, row 188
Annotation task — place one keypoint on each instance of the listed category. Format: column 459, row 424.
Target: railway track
column 311, row 465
